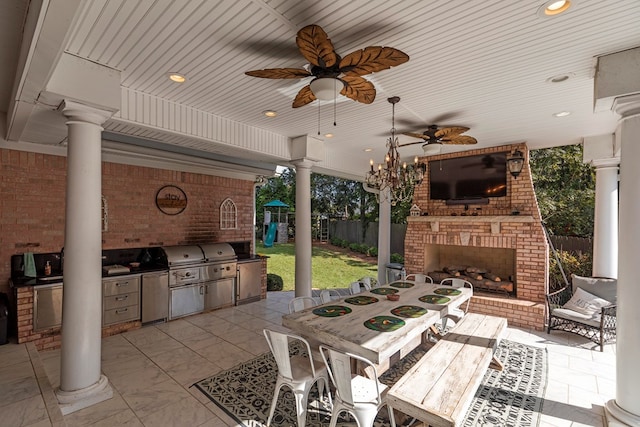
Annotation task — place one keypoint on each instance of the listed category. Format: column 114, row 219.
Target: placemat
column 384, row 323
column 434, row 299
column 383, row 291
column 332, row 311
column 361, row 300
column 447, row 291
column 402, row 284
column 409, row 311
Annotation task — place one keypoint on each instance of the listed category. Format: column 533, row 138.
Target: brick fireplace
column 512, row 246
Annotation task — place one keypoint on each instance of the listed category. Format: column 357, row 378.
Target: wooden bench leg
column 496, row 364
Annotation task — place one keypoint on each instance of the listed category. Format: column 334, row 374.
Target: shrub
column 354, row 247
column 397, row 258
column 274, row 282
column 344, row 243
column 335, row 241
column 579, row 263
column 373, row 251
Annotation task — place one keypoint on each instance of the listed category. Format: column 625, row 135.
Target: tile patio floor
column 151, row 370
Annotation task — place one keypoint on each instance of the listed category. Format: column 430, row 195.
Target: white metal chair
column 457, row 313
column 300, row 303
column 328, row 295
column 355, row 288
column 297, row 372
column 419, row 278
column 360, row 396
column 369, row 281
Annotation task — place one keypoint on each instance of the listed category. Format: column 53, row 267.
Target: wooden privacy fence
column 572, row 244
column 352, row 232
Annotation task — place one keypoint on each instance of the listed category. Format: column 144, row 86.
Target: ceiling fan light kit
column 326, row 88
column 394, row 178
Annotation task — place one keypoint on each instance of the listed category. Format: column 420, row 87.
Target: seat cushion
column 600, row 287
column 585, row 303
column 577, row 317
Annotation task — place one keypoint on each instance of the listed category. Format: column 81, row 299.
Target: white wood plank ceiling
column 481, row 64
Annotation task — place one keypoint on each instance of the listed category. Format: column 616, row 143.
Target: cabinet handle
column 122, row 284
column 124, row 310
column 201, row 290
column 122, row 298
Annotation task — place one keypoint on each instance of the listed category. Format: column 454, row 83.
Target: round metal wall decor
column 171, row 200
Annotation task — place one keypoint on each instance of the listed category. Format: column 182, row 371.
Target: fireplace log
column 453, row 272
column 474, row 276
column 492, row 277
column 476, row 270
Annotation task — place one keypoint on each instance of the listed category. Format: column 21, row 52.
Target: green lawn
column 330, row 269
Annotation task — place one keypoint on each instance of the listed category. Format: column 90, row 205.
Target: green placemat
column 447, row 291
column 332, row 311
column 402, row 284
column 409, row 311
column 361, row 300
column 384, row 323
column 434, row 299
column 384, row 291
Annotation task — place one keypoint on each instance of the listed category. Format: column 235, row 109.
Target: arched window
column 228, row 215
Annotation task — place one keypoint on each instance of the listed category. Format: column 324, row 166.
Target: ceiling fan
column 442, row 135
column 331, row 72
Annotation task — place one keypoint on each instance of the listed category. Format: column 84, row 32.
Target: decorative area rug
column 512, row 397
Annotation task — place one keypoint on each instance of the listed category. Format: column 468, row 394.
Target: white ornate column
column 303, row 228
column 605, row 231
column 81, row 381
column 625, row 409
column 384, row 235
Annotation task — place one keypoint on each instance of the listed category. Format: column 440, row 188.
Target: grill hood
column 183, row 255
column 218, row 252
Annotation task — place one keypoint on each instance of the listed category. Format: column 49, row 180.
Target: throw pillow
column 585, row 303
column 600, row 287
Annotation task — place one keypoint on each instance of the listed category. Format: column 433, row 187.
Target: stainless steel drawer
column 121, row 285
column 120, row 315
column 122, row 300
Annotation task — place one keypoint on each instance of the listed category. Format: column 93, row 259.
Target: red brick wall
column 32, row 204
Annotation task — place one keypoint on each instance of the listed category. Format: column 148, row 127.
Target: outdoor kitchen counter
column 56, row 277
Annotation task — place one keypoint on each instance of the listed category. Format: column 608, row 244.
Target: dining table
column 372, row 326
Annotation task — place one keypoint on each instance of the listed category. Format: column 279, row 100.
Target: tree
column 565, row 189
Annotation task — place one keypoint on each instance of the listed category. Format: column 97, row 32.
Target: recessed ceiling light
column 177, row 77
column 560, row 78
column 554, row 8
column 328, row 135
column 270, row 113
column 368, row 150
column 562, row 114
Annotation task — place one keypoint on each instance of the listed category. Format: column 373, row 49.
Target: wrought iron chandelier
column 394, row 179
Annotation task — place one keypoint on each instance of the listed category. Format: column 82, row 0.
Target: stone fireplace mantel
column 494, row 220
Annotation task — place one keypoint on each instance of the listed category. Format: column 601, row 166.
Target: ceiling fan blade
column 372, row 59
column 304, row 97
column 460, row 140
column 280, row 73
column 450, row 132
column 411, row 143
column 444, row 117
column 316, row 47
column 359, row 89
column 417, row 135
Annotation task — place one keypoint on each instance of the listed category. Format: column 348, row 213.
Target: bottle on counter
column 47, row 268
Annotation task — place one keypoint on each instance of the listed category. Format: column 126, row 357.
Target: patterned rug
column 512, row 397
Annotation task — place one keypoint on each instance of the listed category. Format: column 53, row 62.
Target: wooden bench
column 439, row 389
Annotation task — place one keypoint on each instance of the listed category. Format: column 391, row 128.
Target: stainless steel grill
column 200, row 277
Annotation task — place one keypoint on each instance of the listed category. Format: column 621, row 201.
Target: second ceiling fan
column 331, row 72
column 441, row 135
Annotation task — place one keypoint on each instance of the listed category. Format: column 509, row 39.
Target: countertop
column 251, row 258
column 56, row 276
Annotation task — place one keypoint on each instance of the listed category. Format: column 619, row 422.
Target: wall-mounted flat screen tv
column 468, row 178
